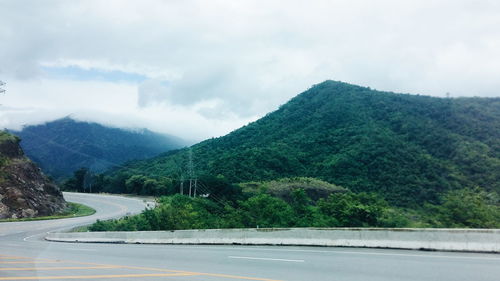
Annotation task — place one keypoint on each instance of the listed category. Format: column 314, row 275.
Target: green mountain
column 62, row 146
column 408, row 148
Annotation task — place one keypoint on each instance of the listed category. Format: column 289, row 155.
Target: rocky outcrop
column 24, row 190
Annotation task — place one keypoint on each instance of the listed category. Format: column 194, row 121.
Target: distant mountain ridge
column 65, row 145
column 409, row 148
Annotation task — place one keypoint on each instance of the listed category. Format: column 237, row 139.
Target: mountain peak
column 65, row 145
column 408, row 148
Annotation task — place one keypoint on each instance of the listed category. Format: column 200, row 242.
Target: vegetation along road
column 24, row 255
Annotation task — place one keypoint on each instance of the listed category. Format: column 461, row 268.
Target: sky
column 200, row 69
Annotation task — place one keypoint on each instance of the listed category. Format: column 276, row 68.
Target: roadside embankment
column 468, row 240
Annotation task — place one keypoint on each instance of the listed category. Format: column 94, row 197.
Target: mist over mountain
column 62, row 146
column 409, row 148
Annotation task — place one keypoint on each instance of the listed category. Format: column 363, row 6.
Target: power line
column 193, row 180
column 195, row 184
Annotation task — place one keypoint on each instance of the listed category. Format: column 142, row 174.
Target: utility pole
column 192, row 178
column 87, row 181
column 190, row 169
column 182, row 183
column 1, row 85
column 195, row 186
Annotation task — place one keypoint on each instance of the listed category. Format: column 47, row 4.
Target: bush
column 351, row 209
column 467, row 208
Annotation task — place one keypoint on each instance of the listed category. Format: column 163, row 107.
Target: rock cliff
column 24, row 190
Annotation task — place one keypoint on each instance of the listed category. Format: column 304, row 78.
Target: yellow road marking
column 95, row 276
column 237, row 277
column 146, row 268
column 14, row 258
column 10, row 256
column 201, row 273
column 190, row 272
column 33, row 261
column 22, row 258
column 57, row 268
column 171, row 272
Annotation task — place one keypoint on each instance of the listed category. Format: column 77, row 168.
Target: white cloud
column 107, row 103
column 151, row 92
column 214, row 65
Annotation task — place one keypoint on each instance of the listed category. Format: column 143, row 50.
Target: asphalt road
column 25, row 256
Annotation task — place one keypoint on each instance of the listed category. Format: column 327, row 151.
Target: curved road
column 24, row 255
column 106, row 206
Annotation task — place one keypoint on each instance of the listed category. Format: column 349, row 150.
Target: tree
column 266, row 211
column 135, row 184
column 353, row 209
column 79, row 176
column 468, row 208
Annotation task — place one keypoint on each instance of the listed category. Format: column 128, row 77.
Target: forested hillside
column 409, row 149
column 62, row 146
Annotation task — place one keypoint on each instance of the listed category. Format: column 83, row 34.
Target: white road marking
column 256, row 248
column 28, row 238
column 78, row 249
column 265, row 259
column 11, row 233
column 416, row 255
column 12, row 245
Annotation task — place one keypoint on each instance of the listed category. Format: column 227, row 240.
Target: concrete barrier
column 468, row 240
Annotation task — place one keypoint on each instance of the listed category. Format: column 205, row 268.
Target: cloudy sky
column 198, row 69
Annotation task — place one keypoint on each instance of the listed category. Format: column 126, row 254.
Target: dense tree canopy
column 259, row 211
column 461, row 208
column 62, row 146
column 410, row 149
column 336, row 155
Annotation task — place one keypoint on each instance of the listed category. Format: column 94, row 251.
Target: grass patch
column 84, row 228
column 72, row 211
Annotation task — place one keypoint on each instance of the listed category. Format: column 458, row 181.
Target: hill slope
column 409, row 148
column 65, row 145
column 24, row 190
